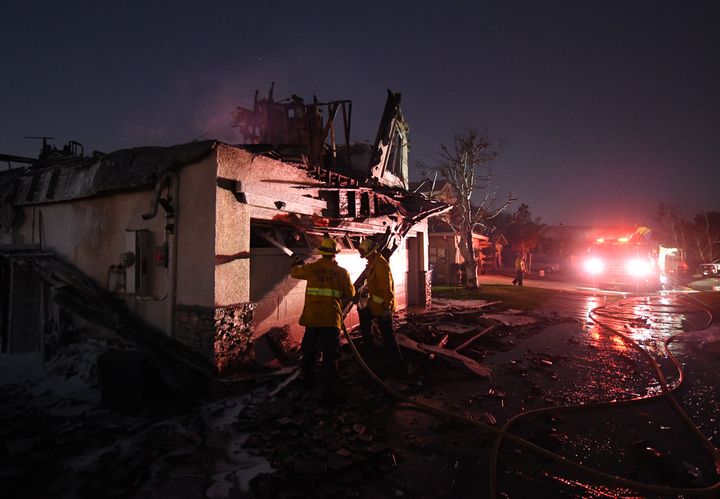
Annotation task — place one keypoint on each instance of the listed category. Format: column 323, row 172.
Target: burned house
column 193, row 242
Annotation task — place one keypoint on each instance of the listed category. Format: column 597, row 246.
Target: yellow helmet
column 367, row 247
column 328, row 246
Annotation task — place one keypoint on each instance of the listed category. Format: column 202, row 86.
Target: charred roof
column 84, row 177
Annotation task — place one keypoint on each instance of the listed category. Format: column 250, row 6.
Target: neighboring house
column 192, row 239
column 444, row 251
column 494, row 253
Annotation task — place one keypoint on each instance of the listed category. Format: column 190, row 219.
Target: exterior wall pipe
column 171, row 179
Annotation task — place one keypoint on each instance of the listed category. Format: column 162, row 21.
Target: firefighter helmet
column 367, row 247
column 328, row 247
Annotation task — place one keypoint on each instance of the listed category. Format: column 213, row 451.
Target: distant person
column 379, row 304
column 460, row 276
column 519, row 270
column 328, row 287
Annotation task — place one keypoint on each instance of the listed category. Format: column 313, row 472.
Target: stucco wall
column 399, row 269
column 423, row 228
column 416, row 251
column 263, row 182
column 196, row 234
column 92, row 233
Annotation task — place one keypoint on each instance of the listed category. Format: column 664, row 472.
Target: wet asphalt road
column 640, row 435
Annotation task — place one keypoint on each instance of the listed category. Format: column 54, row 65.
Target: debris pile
column 277, row 439
column 318, row 451
column 448, row 333
column 324, row 450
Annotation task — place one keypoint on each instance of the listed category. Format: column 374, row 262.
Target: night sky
column 607, row 108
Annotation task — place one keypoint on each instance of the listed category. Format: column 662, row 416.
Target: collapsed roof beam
column 18, row 159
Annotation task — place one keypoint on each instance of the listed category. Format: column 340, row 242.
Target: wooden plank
column 476, row 310
column 455, row 328
column 475, row 337
column 451, row 355
column 283, row 191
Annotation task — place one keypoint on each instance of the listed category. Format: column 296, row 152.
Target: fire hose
column 503, row 432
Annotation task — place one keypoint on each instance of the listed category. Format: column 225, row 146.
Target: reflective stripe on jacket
column 323, row 292
column 328, row 285
column 380, row 286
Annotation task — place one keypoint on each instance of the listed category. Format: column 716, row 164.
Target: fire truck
column 633, row 263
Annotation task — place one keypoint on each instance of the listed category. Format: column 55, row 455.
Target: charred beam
column 18, row 159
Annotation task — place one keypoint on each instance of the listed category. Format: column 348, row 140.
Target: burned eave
column 127, row 169
column 350, row 200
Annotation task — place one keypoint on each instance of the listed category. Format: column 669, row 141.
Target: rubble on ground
column 269, row 437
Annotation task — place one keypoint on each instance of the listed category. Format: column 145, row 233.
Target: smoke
column 198, row 103
column 209, row 98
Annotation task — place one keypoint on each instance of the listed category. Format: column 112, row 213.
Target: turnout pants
column 317, row 342
column 386, row 331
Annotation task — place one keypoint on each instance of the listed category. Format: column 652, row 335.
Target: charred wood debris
column 65, row 446
column 185, row 373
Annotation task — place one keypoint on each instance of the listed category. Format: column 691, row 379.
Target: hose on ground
column 666, row 392
column 503, row 432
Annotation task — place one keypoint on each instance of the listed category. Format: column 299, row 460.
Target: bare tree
column 464, row 166
column 699, row 236
column 672, row 225
column 707, row 235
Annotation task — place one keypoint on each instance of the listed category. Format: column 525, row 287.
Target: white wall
column 91, row 234
column 196, row 234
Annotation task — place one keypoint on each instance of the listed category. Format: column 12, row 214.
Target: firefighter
column 519, row 269
column 328, row 287
column 378, row 304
